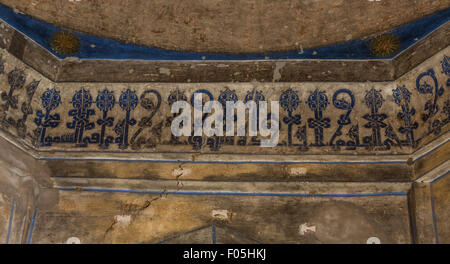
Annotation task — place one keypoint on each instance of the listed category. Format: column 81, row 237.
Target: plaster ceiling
column 229, row 26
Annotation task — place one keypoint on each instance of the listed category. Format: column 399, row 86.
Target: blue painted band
column 101, row 48
column 434, row 216
column 213, row 234
column 10, row 220
column 235, row 193
column 32, row 226
column 234, row 162
column 411, row 220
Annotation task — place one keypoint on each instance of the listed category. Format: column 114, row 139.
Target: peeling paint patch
column 298, row 171
column 164, row 71
column 223, row 215
column 72, row 60
column 373, row 240
column 179, row 172
column 305, row 228
column 73, row 240
column 122, row 220
column 276, row 71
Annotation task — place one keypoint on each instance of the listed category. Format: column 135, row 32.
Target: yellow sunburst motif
column 384, row 45
column 65, row 43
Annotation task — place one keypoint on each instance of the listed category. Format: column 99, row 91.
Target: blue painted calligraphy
column 424, row 87
column 174, row 96
column 374, row 100
column 290, row 101
column 148, row 104
column 50, row 100
column 105, row 102
column 224, row 97
column 344, row 119
column 402, row 98
column 128, row 101
column 26, row 109
column 256, row 96
column 16, row 81
column 197, row 141
column 82, row 102
column 446, row 68
column 318, row 101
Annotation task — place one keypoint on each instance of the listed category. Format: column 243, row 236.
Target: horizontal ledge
column 242, row 188
column 227, row 158
column 240, row 193
column 435, row 174
column 236, row 158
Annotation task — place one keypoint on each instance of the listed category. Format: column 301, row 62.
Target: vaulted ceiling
column 229, row 26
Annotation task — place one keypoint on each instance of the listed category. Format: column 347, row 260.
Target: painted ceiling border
column 93, row 47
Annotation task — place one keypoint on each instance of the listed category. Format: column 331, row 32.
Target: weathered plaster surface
column 21, row 178
column 441, row 208
column 93, row 218
column 5, row 212
column 79, row 172
column 229, row 26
